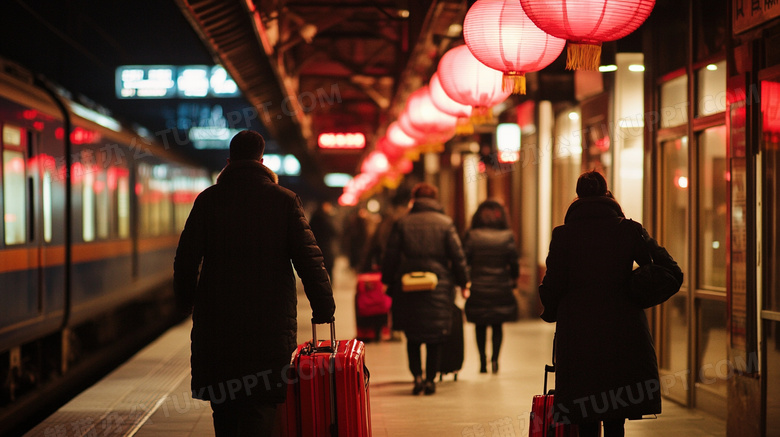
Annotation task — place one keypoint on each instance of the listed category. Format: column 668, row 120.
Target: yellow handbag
column 419, row 281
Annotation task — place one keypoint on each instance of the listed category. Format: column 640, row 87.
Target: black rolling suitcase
column 452, row 350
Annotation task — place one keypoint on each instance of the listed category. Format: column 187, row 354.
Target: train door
column 22, row 243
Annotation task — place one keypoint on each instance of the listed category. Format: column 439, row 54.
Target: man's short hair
column 247, row 145
column 424, row 189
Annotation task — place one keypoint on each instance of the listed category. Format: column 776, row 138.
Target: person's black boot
column 418, row 385
column 482, row 364
column 430, row 387
column 495, row 366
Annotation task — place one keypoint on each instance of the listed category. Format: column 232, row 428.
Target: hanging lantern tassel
column 583, row 56
column 464, row 127
column 481, row 115
column 514, row 82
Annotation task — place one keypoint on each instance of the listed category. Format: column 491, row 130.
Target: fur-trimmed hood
column 246, row 169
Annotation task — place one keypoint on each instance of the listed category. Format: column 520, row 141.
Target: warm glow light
column 355, row 140
column 574, row 116
column 373, row 206
column 636, row 67
column 607, row 68
column 508, row 142
column 712, row 67
column 682, row 182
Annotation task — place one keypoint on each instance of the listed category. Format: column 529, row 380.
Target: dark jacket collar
column 426, row 204
column 593, row 207
column 246, row 169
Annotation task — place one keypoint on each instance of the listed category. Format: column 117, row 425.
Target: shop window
column 566, row 163
column 771, row 157
column 674, row 186
column 772, row 330
column 712, row 187
column 711, row 89
column 674, row 102
column 713, row 365
column 674, row 236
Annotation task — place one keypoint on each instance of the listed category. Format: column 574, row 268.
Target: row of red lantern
column 504, row 40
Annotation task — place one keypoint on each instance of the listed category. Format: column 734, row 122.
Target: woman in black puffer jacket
column 491, row 254
column 425, row 240
column 606, row 368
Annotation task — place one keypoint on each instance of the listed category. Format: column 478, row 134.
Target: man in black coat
column 243, row 232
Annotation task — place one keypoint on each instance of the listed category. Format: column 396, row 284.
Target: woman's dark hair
column 424, row 189
column 591, row 184
column 490, row 214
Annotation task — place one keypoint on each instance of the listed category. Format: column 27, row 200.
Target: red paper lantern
column 423, row 116
column 587, row 23
column 396, row 135
column 446, row 105
column 409, row 129
column 443, row 102
column 376, row 162
column 470, row 82
column 501, row 36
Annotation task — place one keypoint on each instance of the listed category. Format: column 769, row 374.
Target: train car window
column 164, row 203
column 102, row 205
column 14, row 185
column 143, row 190
column 88, row 205
column 119, row 182
column 47, row 213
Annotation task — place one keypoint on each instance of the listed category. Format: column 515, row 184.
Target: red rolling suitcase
column 328, row 390
column 542, row 423
column 372, row 308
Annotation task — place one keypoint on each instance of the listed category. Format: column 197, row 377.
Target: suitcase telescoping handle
column 332, row 324
column 334, row 426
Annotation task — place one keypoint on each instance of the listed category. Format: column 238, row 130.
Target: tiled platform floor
column 149, row 396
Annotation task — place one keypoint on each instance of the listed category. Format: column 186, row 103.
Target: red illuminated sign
column 341, row 141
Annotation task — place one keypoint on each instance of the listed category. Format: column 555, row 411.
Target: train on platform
column 92, row 211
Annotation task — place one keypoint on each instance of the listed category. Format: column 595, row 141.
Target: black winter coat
column 493, row 268
column 424, row 240
column 245, row 230
column 606, row 362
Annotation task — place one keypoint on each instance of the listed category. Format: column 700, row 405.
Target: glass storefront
column 770, row 156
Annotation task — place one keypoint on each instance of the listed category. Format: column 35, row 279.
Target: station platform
column 149, row 395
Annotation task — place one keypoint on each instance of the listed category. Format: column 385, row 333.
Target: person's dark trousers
column 243, row 417
column 498, row 337
column 432, row 359
column 612, row 428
